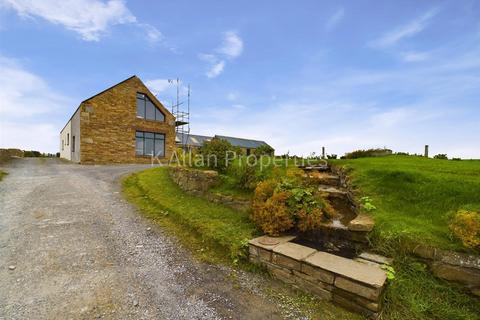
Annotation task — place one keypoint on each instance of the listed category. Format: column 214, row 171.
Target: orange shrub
column 281, row 205
column 465, row 225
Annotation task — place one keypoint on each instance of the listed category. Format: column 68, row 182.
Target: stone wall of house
column 192, row 180
column 108, row 122
column 354, row 285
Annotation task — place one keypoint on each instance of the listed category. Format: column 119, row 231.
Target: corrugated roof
column 243, row 143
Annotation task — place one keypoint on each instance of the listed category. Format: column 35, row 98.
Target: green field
column 415, row 197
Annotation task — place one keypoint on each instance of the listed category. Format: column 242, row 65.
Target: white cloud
column 409, row 30
column 231, row 48
column 231, row 96
column 232, row 45
column 91, row 19
column 26, row 109
column 153, row 34
column 216, row 69
column 335, row 19
column 157, row 85
column 412, row 56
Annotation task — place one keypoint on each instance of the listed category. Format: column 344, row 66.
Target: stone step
column 325, row 178
column 376, row 258
column 332, row 191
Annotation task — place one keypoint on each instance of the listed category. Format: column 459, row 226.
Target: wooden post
column 323, row 152
column 426, row 151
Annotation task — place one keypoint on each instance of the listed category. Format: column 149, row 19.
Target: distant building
column 122, row 124
column 196, row 141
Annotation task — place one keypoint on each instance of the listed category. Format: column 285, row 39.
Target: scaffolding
column 182, row 117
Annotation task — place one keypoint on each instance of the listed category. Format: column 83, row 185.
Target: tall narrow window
column 147, row 110
column 68, row 138
column 73, row 143
column 149, row 144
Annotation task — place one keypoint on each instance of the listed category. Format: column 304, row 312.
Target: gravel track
column 72, row 248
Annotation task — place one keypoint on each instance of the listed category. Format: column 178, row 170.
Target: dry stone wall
column 352, row 284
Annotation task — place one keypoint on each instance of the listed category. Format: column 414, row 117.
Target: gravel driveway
column 72, row 248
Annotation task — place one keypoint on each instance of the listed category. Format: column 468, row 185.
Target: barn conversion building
column 122, row 124
column 127, row 124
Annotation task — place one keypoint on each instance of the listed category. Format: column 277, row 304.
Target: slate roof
column 243, row 143
column 192, row 139
column 197, row 141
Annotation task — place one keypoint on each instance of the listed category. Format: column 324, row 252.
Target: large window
column 147, row 110
column 149, row 144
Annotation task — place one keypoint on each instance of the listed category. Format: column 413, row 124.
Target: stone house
column 193, row 141
column 122, row 124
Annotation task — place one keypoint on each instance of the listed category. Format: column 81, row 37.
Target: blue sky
column 297, row 74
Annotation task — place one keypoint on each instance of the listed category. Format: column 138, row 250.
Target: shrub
column 368, row 153
column 218, row 153
column 442, row 156
column 465, row 225
column 331, row 156
column 263, row 150
column 283, row 204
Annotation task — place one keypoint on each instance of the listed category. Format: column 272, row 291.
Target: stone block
column 268, row 243
column 282, row 274
column 374, row 306
column 375, row 258
column 286, row 262
column 264, row 255
column 468, row 276
column 362, row 222
column 353, row 306
column 347, row 268
column 294, row 251
column 358, row 288
column 313, row 288
column 311, row 279
column 317, row 273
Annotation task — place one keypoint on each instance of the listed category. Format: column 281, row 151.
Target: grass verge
column 215, row 233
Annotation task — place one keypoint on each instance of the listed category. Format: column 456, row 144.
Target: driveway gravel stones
column 72, row 248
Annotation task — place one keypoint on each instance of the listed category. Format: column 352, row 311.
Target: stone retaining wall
column 354, row 285
column 452, row 266
column 193, row 180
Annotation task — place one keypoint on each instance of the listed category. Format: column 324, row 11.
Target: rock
column 362, row 222
column 135, row 303
column 375, row 258
column 148, row 229
column 12, row 267
column 467, row 276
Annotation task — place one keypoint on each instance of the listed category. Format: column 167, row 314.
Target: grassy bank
column 415, row 196
column 2, row 174
column 214, row 232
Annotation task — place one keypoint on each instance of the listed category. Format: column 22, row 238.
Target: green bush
column 263, row 150
column 218, row 154
column 367, row 153
column 441, row 156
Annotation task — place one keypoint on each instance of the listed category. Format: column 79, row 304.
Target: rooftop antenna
column 182, row 118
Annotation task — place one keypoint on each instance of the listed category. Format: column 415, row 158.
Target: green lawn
column 415, row 196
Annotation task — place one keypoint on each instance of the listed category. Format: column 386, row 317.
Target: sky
column 297, row 74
